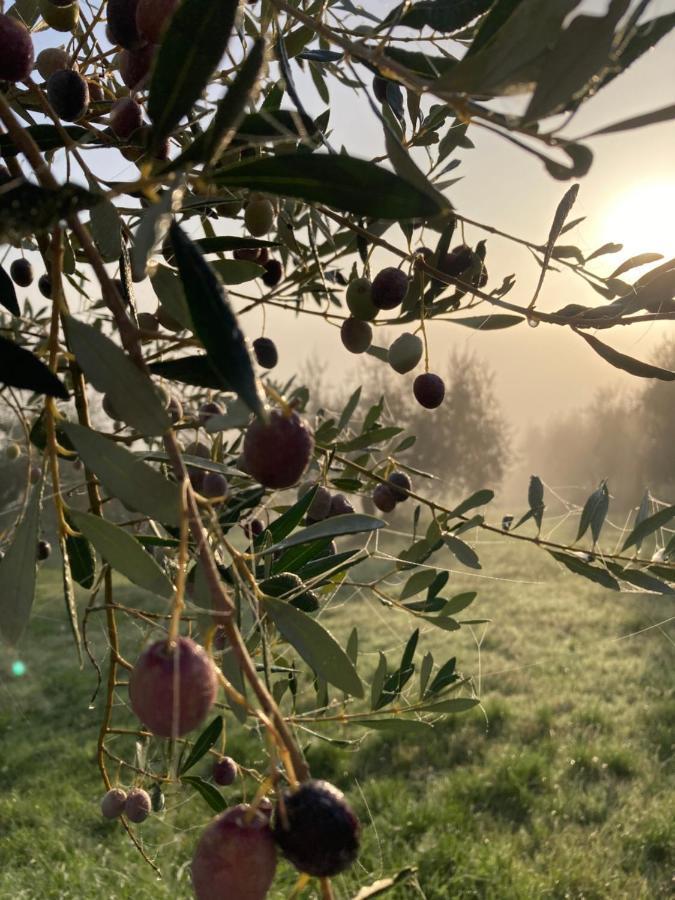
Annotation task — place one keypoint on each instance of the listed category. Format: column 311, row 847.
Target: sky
column 627, row 197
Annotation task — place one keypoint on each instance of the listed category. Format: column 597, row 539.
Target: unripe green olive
column 405, row 352
column 259, row 217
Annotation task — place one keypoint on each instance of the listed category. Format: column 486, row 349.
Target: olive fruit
column 68, row 94
column 265, row 352
column 253, row 528
column 126, row 116
column 34, row 474
column 122, row 28
column 400, row 485
column 16, row 49
column 317, row 831
column 50, row 60
column 13, row 451
column 138, row 805
column 340, row 506
column 290, row 586
column 319, row 508
column 208, row 411
column 225, row 771
column 383, row 498
column 236, row 857
column 60, row 16
column 112, row 803
column 259, row 255
column 277, row 452
column 429, row 390
column 405, row 352
column 167, row 321
column 259, row 217
column 172, row 687
column 214, row 486
column 389, row 288
column 44, row 550
column 45, row 286
column 152, row 18
column 359, row 299
column 21, row 272
column 457, row 262
column 356, row 335
column 273, row 273
column 134, row 65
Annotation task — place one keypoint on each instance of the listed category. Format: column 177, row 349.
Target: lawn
column 561, row 786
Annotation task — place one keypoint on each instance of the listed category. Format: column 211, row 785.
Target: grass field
column 563, row 787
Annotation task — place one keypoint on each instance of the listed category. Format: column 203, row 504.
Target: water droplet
column 533, row 323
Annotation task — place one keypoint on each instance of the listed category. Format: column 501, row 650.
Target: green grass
column 561, row 786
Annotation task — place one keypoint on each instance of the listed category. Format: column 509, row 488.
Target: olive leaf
column 19, row 368
column 191, row 49
column 214, row 321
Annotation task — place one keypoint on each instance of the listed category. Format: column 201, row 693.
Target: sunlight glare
column 642, row 219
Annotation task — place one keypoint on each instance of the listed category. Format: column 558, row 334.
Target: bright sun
column 642, row 219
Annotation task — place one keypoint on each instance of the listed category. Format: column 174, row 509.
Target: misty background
column 522, row 400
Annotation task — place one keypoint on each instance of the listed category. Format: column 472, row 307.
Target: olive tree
column 238, row 186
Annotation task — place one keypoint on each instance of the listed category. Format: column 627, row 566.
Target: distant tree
column 466, row 443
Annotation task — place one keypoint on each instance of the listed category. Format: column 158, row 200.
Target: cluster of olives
column 172, row 688
column 260, row 255
column 396, row 490
column 135, row 805
column 364, row 301
column 22, row 274
column 324, row 504
column 313, row 826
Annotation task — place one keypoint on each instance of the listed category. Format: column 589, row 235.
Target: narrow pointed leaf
column 123, row 552
column 18, row 572
column 627, row 363
column 208, row 146
column 124, row 476
column 336, row 526
column 480, row 498
column 69, row 597
column 8, row 293
column 109, row 369
column 214, row 321
column 203, row 744
column 19, row 368
column 194, row 370
column 316, row 645
column 494, row 322
column 640, row 260
column 580, row 567
column 207, row 791
column 464, row 553
column 190, row 52
column 648, row 526
column 343, row 182
column 561, row 214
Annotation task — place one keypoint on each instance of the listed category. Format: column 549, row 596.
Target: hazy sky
column 627, row 197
